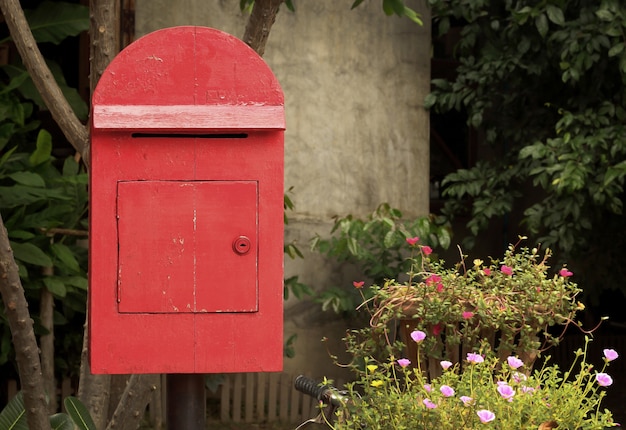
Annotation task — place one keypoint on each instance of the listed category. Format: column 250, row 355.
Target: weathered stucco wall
column 357, row 134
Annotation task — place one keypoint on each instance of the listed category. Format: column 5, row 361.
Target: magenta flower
column 506, row 391
column 447, row 391
column 610, row 354
column 433, row 279
column 474, row 358
column 487, row 272
column 507, row 270
column 445, row 364
column 437, row 329
column 418, row 336
column 467, row 401
column 404, row 362
column 514, row 362
column 427, row 250
column 603, row 379
column 429, row 404
column 439, row 287
column 358, row 284
column 467, row 315
column 485, row 416
column 412, row 240
column 565, row 273
column 428, row 388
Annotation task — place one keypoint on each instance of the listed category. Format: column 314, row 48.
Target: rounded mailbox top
column 187, row 72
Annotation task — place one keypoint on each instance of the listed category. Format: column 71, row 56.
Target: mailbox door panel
column 187, row 256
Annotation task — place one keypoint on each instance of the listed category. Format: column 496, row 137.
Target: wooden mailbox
column 186, row 215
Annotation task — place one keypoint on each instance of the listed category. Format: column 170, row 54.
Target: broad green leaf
column 541, row 22
column 19, row 195
column 28, row 178
column 56, row 21
column 44, row 148
column 55, row 286
column 555, row 14
column 66, row 256
column 356, row 3
column 61, row 422
column 29, row 253
column 20, row 234
column 13, row 416
column 76, row 281
column 79, row 413
column 616, row 49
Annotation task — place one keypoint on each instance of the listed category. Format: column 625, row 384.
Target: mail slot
column 186, row 183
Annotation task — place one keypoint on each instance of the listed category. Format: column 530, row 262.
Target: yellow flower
column 372, row 367
column 377, row 383
column 478, row 262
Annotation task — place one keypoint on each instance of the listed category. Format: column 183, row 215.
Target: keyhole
column 241, row 245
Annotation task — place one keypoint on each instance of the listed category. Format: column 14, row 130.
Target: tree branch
column 26, row 350
column 260, row 23
column 75, row 132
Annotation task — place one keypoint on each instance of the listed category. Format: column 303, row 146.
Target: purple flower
column 527, row 390
column 445, row 365
column 514, row 362
column 610, row 354
column 518, row 377
column 427, row 387
column 418, row 335
column 447, row 391
column 429, row 404
column 507, row 270
column 474, row 358
column 506, row 391
column 467, row 401
column 603, row 379
column 485, row 416
column 403, row 362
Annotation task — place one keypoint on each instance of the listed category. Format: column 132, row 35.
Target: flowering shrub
column 508, row 303
column 481, row 392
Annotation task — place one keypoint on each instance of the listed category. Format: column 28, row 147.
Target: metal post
column 186, row 401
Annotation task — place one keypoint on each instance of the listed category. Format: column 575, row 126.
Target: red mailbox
column 186, row 239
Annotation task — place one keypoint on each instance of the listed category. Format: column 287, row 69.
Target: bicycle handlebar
column 326, row 393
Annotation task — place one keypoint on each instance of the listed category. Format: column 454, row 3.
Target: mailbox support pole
column 186, row 401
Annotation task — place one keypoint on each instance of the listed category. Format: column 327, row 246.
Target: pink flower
column 527, row 390
column 487, row 272
column 506, row 391
column 447, row 391
column 507, row 270
column 565, row 273
column 439, row 287
column 427, row 250
column 433, row 279
column 610, row 354
column 428, row 388
column 519, row 377
column 467, row 401
column 404, row 362
column 412, row 240
column 603, row 379
column 468, row 315
column 445, row 365
column 514, row 362
column 485, row 416
column 474, row 358
column 437, row 329
column 429, row 404
column 358, row 284
column 418, row 336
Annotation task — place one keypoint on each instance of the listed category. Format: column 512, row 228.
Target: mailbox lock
column 241, row 245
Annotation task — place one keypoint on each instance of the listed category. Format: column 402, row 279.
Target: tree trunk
column 260, row 23
column 46, row 344
column 132, row 405
column 26, row 350
column 75, row 132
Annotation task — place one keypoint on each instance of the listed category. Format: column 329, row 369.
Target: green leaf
column 79, row 413
column 541, row 22
column 43, row 152
column 66, row 256
column 555, row 14
column 356, row 3
column 616, row 49
column 28, row 178
column 13, row 416
column 29, row 253
column 56, row 21
column 55, row 286
column 61, row 422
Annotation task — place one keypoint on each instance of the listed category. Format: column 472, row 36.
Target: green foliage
column 377, row 247
column 545, row 82
column 13, row 416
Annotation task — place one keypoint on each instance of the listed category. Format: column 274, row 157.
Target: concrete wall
column 357, row 134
